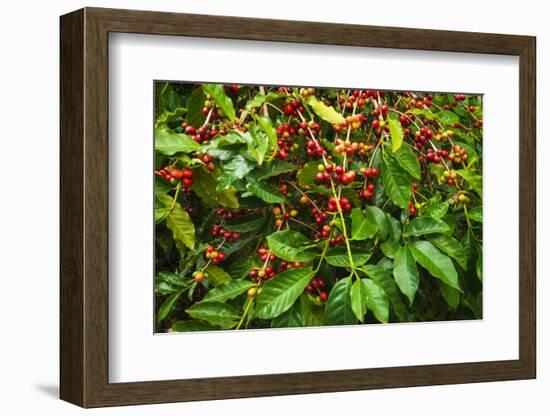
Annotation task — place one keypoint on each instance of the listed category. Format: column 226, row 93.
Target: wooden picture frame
column 84, row 207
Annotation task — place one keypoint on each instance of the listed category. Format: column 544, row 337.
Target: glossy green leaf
column 377, row 301
column 267, row 127
column 450, row 294
column 437, row 263
column 358, row 297
column 192, row 326
column 385, row 281
column 204, row 185
column 279, row 293
column 260, row 144
column 437, row 210
column 195, row 117
column 361, row 227
column 377, row 216
column 289, row 245
column 260, row 99
column 476, row 214
column 396, row 134
column 425, row 225
column 275, row 168
column 245, row 223
column 267, row 192
column 452, row 247
column 447, row 117
column 169, row 143
column 473, row 180
column 168, row 305
column 338, row 309
column 178, row 221
column 396, row 183
column 338, row 256
column 292, row 318
column 405, row 273
column 389, row 248
column 228, row 290
column 237, row 168
column 408, row 160
column 215, row 313
column 216, row 91
column 326, row 113
column 216, row 275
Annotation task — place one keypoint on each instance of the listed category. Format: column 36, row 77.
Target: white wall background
column 29, row 159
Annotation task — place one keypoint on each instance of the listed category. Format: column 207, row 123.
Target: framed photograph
column 263, row 207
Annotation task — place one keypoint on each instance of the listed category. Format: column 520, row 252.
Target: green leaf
column 338, row 256
column 260, row 99
column 396, row 133
column 405, row 273
column 408, row 161
column 452, row 248
column 242, row 267
column 385, row 281
column 204, row 185
column 228, row 290
column 289, row 246
column 326, row 113
column 475, row 181
column 437, row 210
column 479, row 265
column 216, row 275
column 450, row 294
column 396, row 183
column 425, row 225
column 275, row 168
column 338, row 307
column 306, row 176
column 377, row 301
column 280, row 293
column 217, row 92
column 195, row 116
column 376, row 216
column 358, row 297
column 437, row 263
column 179, row 222
column 476, row 214
column 394, row 227
column 215, row 313
column 389, row 248
column 168, row 305
column 237, row 168
column 169, row 143
column 245, row 223
column 361, row 227
column 267, row 127
column 191, row 326
column 447, row 117
column 292, row 318
column 267, row 192
column 260, row 144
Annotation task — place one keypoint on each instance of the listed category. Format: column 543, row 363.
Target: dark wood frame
column 84, row 208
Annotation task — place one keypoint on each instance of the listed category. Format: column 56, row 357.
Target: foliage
column 290, row 207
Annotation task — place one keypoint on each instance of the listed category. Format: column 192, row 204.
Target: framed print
column 281, row 207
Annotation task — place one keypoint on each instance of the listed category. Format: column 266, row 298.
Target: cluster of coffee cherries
column 314, row 287
column 449, row 177
column 336, row 172
column 434, row 156
column 304, row 92
column 173, row 175
column 207, row 160
column 292, row 107
column 360, row 97
column 422, row 136
column 460, row 197
column 280, row 216
column 458, row 154
column 315, row 149
column 420, row 102
column 202, row 134
column 351, row 148
column 444, row 135
column 230, row 237
column 216, row 256
column 333, row 204
column 354, row 122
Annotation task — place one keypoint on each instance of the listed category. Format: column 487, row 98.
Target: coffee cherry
column 198, row 276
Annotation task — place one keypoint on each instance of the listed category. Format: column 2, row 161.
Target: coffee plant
column 290, row 207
